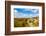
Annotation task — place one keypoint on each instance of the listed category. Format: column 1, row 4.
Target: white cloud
column 35, row 11
column 35, row 15
column 19, row 15
column 22, row 15
column 15, row 11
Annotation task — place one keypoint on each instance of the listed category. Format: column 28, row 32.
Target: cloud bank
column 25, row 13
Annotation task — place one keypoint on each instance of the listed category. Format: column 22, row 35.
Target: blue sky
column 25, row 12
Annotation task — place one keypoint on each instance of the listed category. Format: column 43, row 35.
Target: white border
column 25, row 28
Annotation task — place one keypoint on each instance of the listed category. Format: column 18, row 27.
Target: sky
column 25, row 12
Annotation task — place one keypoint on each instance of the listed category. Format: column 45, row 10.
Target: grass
column 26, row 22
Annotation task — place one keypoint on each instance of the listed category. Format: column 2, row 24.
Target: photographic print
column 24, row 17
